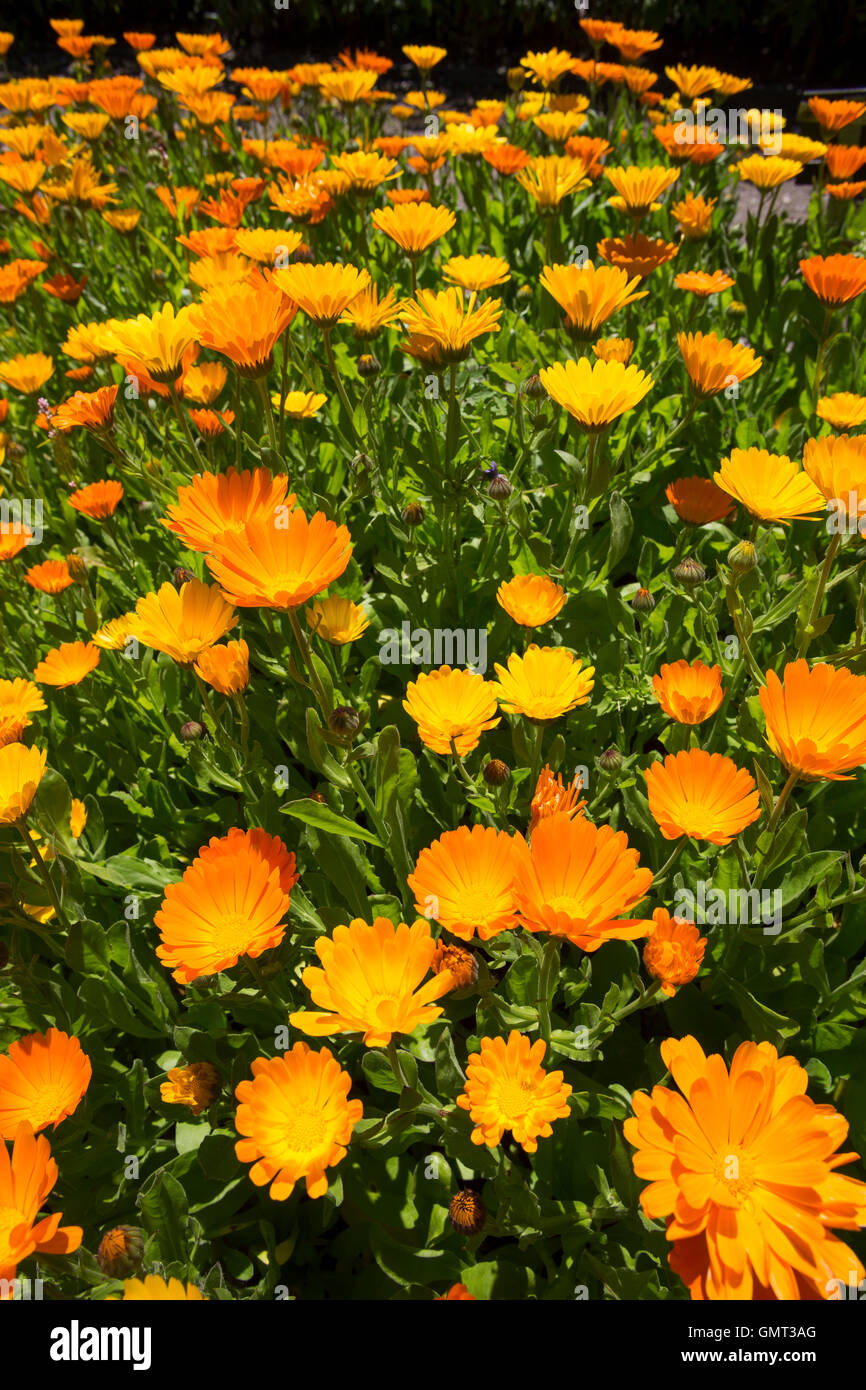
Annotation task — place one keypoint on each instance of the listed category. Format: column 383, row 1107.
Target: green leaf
column 323, row 818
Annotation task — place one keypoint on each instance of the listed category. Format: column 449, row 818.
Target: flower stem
column 42, row 870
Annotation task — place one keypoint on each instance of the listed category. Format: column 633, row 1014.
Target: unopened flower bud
column 689, row 572
column 77, row 566
column 368, row 366
column 610, row 760
column 496, row 773
column 361, row 463
column 462, row 965
column 344, row 721
column 533, row 388
column 467, row 1213
column 120, row 1252
column 412, row 515
column 516, row 77
column 499, row 488
column 191, row 731
column 643, row 601
column 742, row 557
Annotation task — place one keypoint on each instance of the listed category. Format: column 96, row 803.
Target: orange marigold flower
column 461, row 965
column 296, row 1120
column 14, row 536
column 689, row 692
column 65, row 287
column 507, row 159
column 674, row 951
column 67, row 664
column 637, row 254
column 836, row 465
column 77, row 818
column 19, row 698
column 21, row 771
column 770, row 486
column 371, row 982
column 694, row 215
column 834, row 280
column 702, row 795
column 269, row 848
column 120, row 1251
column 322, row 292
column 553, row 798
column 713, row 363
column 244, row 322
column 196, row 1086
column 451, row 706
column 816, row 719
column 27, row 1176
column 183, row 622
column 97, row 500
column 589, row 295
column 458, row 1293
column 698, row 501
column 614, row 350
column 843, row 161
column 226, row 668
column 743, row 1163
column 703, row 283
column 215, row 505
column 508, row 1089
column 463, row 881
column 531, row 599
column 51, row 577
column 466, row 1211
column 93, row 410
column 833, row 116
column 282, row 562
column 42, row 1079
column 337, row 620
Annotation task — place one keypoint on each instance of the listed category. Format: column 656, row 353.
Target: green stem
column 42, row 870
column 808, row 632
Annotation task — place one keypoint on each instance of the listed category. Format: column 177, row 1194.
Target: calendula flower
column 544, row 683
column 634, row 44
column 451, row 706
column 702, row 795
column 424, row 56
column 767, row 171
column 698, row 501
column 614, row 350
column 65, row 287
column 553, row 798
column 834, row 280
column 67, row 664
column 833, row 116
column 463, row 881
column 371, row 982
column 458, row 1293
column 689, row 692
column 550, row 178
column 218, row 504
column 97, row 500
column 322, row 292
column 92, row 410
column 531, row 599
column 27, row 1176
column 703, row 283
column 368, row 314
column 366, row 170
column 507, row 159
column 836, row 465
column 300, row 405
column 114, row 635
column 547, row 68
column 120, row 1251
column 229, row 903
column 589, row 295
column 157, row 341
column 196, row 1086
column 337, row 620
column 595, row 394
column 14, row 537
column 508, row 1089
column 244, row 322
column 268, row 565
column 296, row 1120
column 77, row 818
column 28, row 372
column 674, row 951
column 636, row 254
column 476, row 272
column 715, row 363
column 816, row 719
column 203, row 382
column 694, row 216
column 743, row 1165
column 575, row 879
column 770, row 486
column 42, row 1080
column 182, row 622
column 154, row 1289
column 451, row 323
column 843, row 161
column 19, row 698
column 843, row 410
column 639, row 188
column 51, row 577
column 225, row 668
column 348, row 86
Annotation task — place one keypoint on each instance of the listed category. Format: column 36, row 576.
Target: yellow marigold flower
column 702, row 795
column 816, row 719
column 244, row 322
column 42, row 1080
column 371, row 982
column 559, row 125
column 154, row 1289
column 183, row 622
column 158, row 341
column 689, row 692
column 703, row 283
column 67, row 664
column 450, row 322
column 770, row 486
column 614, row 350
column 27, row 372
column 531, row 599
column 196, row 1086
column 451, row 706
column 296, row 1120
column 322, row 292
column 595, row 394
column 114, row 635
column 21, row 771
column 476, row 272
column 550, row 178
column 123, row 220
column 77, row 818
column 694, row 215
column 348, row 86
column 547, row 68
column 508, row 1089
column 267, row 245
column 640, row 187
column 19, row 698
column 413, row 226
column 463, row 881
column 736, row 1164
column 544, row 683
column 674, row 951
column 767, row 171
column 368, row 314
column 366, row 169
column 269, row 565
column 836, row 465
column 337, row 620
column 589, row 294
column 424, row 56
column 553, row 798
column 796, row 147
column 226, row 668
column 843, row 410
column 834, row 280
column 714, row 363
column 300, row 405
column 203, row 383
column 693, row 81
